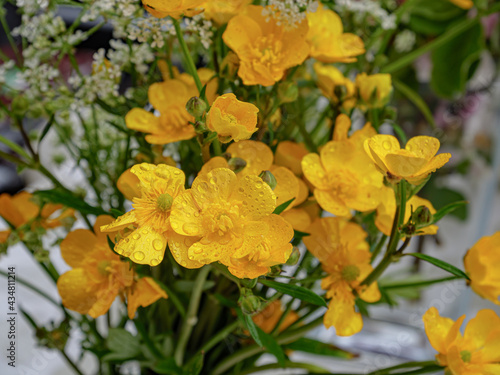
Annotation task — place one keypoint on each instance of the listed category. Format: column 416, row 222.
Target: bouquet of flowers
column 246, row 172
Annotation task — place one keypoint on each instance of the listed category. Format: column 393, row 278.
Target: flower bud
column 199, row 127
column 287, row 92
column 294, row 257
column 269, row 179
column 19, row 105
column 422, row 216
column 249, row 304
column 236, row 164
column 196, row 107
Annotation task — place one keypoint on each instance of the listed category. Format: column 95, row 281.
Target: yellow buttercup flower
column 150, row 217
column 129, row 185
column 19, row 210
column 387, row 209
column 464, row 4
column 341, row 248
column 230, row 220
column 328, row 41
column 374, row 90
column 232, row 119
column 169, row 98
column 482, row 263
column 413, row 163
column 99, row 276
column 289, row 154
column 265, row 49
column 477, row 351
column 342, row 175
column 162, row 8
column 336, row 87
column 221, row 11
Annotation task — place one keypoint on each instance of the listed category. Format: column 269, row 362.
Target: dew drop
column 386, row 145
column 138, row 255
column 190, row 228
column 136, row 236
column 158, row 245
column 154, row 262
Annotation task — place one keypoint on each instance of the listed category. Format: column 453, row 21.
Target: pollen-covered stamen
column 350, row 273
column 164, row 202
column 466, row 355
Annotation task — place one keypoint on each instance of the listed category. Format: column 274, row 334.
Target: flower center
column 350, row 273
column 164, row 202
column 466, row 355
column 102, row 267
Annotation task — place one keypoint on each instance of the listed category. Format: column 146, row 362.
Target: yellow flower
column 164, row 8
column 374, row 90
column 232, row 119
column 482, row 263
column 99, row 276
column 341, row 248
column 269, row 317
column 476, row 352
column 265, row 49
column 413, row 163
column 342, row 175
column 230, row 220
column 129, row 185
column 387, row 209
column 336, row 87
column 289, row 154
column 464, row 4
column 328, row 41
column 19, row 210
column 221, row 11
column 169, row 98
column 159, row 185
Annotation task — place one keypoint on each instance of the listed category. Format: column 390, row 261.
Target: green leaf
column 195, row 367
column 441, row 264
column 187, row 285
column 167, row 366
column 69, row 200
column 453, row 62
column 430, row 17
column 317, row 347
column 440, row 197
column 263, row 339
column 123, row 345
column 46, row 129
column 295, row 291
column 446, row 210
column 283, row 206
column 116, row 213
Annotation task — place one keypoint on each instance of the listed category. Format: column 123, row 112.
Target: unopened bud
column 199, row 127
column 19, row 105
column 288, row 92
column 196, row 107
column 236, row 164
column 422, row 216
column 250, row 304
column 269, row 179
column 294, row 257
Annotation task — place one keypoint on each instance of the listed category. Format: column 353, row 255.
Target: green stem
column 221, row 335
column 378, row 247
column 416, row 99
column 191, row 317
column 70, row 362
column 187, row 55
column 436, row 43
column 13, row 44
column 252, row 350
column 416, row 284
column 150, row 344
column 15, row 147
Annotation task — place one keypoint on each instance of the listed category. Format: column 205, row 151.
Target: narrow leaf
column 46, row 129
column 441, row 264
column 446, row 210
column 320, row 348
column 195, row 367
column 295, row 291
column 283, row 206
column 69, row 200
column 167, row 367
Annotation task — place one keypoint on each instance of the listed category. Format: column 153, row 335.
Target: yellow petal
column 289, row 154
column 257, row 155
column 101, row 221
column 120, row 223
column 185, row 217
column 436, row 162
column 76, row 292
column 148, row 174
column 287, row 186
column 129, row 185
column 76, row 246
column 143, row 246
column 303, row 193
column 423, row 146
column 105, row 298
column 142, row 121
column 478, row 332
column 437, row 329
column 315, row 172
column 179, row 246
column 145, row 292
column 257, row 197
column 217, row 185
column 4, row 235
column 343, row 317
column 378, row 146
column 331, row 203
column 215, row 162
column 342, row 125
column 404, row 164
column 298, row 218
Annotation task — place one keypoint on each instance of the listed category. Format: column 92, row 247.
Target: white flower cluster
column 372, row 8
column 32, row 6
column 289, row 12
column 202, row 28
column 111, row 9
column 38, row 77
column 404, row 41
column 151, row 29
column 137, row 54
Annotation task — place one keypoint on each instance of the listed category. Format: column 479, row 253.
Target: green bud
column 236, row 164
column 294, row 257
column 287, row 92
column 199, row 127
column 196, row 107
column 249, row 303
column 269, row 179
column 41, row 255
column 19, row 105
column 422, row 216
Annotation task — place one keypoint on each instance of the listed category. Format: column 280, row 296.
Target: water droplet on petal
column 386, row 145
column 138, row 255
column 158, row 245
column 136, row 236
